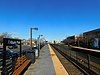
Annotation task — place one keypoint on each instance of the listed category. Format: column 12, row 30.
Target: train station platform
column 47, row 64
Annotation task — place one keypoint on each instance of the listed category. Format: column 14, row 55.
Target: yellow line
column 60, row 70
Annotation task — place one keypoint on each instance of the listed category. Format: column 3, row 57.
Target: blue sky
column 55, row 19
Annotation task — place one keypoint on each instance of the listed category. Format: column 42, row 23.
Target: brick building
column 92, row 38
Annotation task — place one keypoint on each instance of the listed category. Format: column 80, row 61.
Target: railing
column 10, row 62
column 15, row 65
column 1, row 60
column 88, row 60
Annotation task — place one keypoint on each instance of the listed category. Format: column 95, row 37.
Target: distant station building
column 92, row 38
column 71, row 40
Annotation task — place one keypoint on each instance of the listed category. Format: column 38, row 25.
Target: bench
column 21, row 64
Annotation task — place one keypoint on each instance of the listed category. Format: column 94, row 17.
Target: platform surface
column 47, row 64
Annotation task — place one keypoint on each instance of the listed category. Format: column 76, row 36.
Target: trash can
column 36, row 51
column 31, row 55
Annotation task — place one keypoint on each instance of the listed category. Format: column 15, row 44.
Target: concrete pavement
column 46, row 64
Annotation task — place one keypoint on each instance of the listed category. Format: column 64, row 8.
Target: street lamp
column 39, row 44
column 31, row 35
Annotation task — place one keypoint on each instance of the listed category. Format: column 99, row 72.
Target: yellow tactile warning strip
column 59, row 68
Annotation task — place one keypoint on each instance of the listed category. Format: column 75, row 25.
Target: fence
column 87, row 60
column 12, row 63
column 15, row 65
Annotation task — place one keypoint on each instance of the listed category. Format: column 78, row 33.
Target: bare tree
column 4, row 35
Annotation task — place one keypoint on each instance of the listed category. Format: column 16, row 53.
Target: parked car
column 1, row 47
column 9, row 54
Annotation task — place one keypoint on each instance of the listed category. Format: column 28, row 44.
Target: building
column 71, row 40
column 92, row 38
column 27, row 42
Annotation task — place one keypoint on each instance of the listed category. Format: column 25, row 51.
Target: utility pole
column 39, row 44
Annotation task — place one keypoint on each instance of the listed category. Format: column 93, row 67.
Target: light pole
column 31, row 35
column 39, row 44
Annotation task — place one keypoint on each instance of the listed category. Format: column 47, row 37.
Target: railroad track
column 81, row 67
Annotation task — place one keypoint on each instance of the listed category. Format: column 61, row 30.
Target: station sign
column 10, row 41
